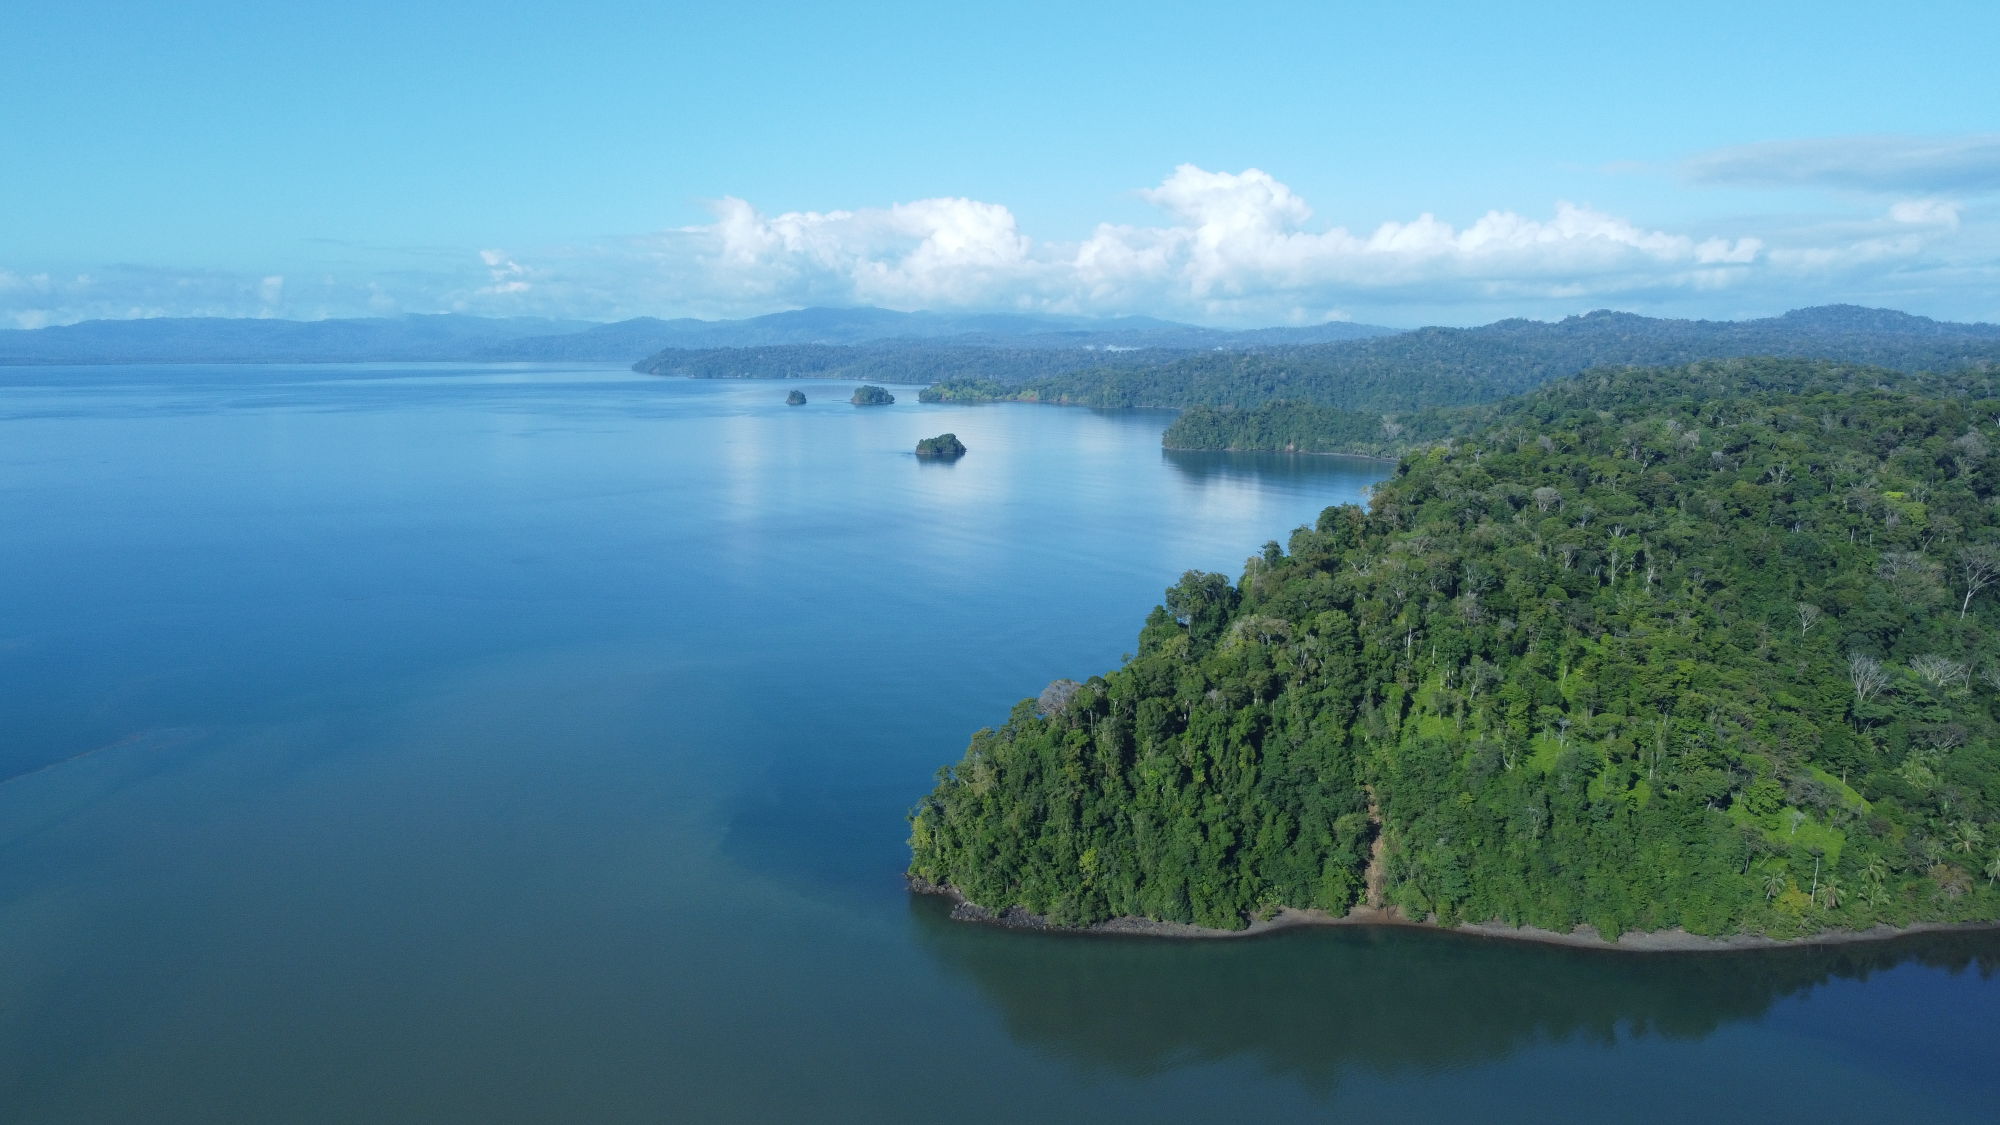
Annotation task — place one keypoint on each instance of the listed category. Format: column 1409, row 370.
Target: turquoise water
column 452, row 743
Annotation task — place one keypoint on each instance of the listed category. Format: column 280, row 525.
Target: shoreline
column 1286, row 453
column 1288, row 918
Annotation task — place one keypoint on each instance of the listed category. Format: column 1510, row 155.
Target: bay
column 526, row 743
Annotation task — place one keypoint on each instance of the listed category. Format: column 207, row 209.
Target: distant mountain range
column 453, row 337
column 1122, row 361
column 224, row 340
column 631, row 339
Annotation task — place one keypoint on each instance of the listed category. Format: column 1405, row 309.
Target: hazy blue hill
column 1859, row 319
column 1350, row 365
column 455, row 337
column 895, row 361
column 924, row 347
column 1333, row 331
column 846, row 327
column 856, row 326
column 229, row 340
column 849, row 327
column 610, row 343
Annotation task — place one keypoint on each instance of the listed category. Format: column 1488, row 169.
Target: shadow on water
column 1210, row 467
column 1315, row 1005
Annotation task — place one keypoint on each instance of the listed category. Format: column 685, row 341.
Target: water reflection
column 1212, row 468
column 1316, row 1005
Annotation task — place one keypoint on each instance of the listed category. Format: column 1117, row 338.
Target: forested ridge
column 1439, row 367
column 1304, row 427
column 1709, row 647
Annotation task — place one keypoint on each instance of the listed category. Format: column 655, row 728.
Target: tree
column 1875, row 870
column 1938, row 671
column 1978, row 566
column 1055, row 698
column 1867, row 676
column 1201, row 601
column 1809, row 616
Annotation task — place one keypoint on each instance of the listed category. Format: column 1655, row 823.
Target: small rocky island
column 944, row 447
column 795, row 398
column 870, row 395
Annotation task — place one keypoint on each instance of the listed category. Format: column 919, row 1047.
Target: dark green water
column 532, row 744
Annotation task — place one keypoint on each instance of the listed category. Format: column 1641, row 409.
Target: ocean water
column 532, row 743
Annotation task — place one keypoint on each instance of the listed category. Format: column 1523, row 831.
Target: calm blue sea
column 532, row 743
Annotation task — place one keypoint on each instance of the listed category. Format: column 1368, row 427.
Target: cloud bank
column 1227, row 248
column 1882, row 164
column 1234, row 246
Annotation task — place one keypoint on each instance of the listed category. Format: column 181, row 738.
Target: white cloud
column 1243, row 237
column 931, row 251
column 1227, row 247
column 1926, row 212
column 508, row 276
column 1234, row 245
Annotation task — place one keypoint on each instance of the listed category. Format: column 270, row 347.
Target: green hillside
column 1438, row 367
column 1711, row 647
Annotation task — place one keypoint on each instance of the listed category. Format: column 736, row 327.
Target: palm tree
column 1829, row 893
column 1774, row 884
column 1993, row 868
column 1966, row 837
column 1875, row 870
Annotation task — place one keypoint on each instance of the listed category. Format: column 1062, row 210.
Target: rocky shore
column 1659, row 941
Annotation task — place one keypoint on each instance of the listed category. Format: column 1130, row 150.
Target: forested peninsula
column 1708, row 647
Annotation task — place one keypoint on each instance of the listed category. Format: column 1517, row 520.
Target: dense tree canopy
column 1304, row 427
column 1711, row 647
column 1437, row 367
column 944, row 446
column 1296, row 427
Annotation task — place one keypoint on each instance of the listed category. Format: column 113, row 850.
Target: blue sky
column 1230, row 164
